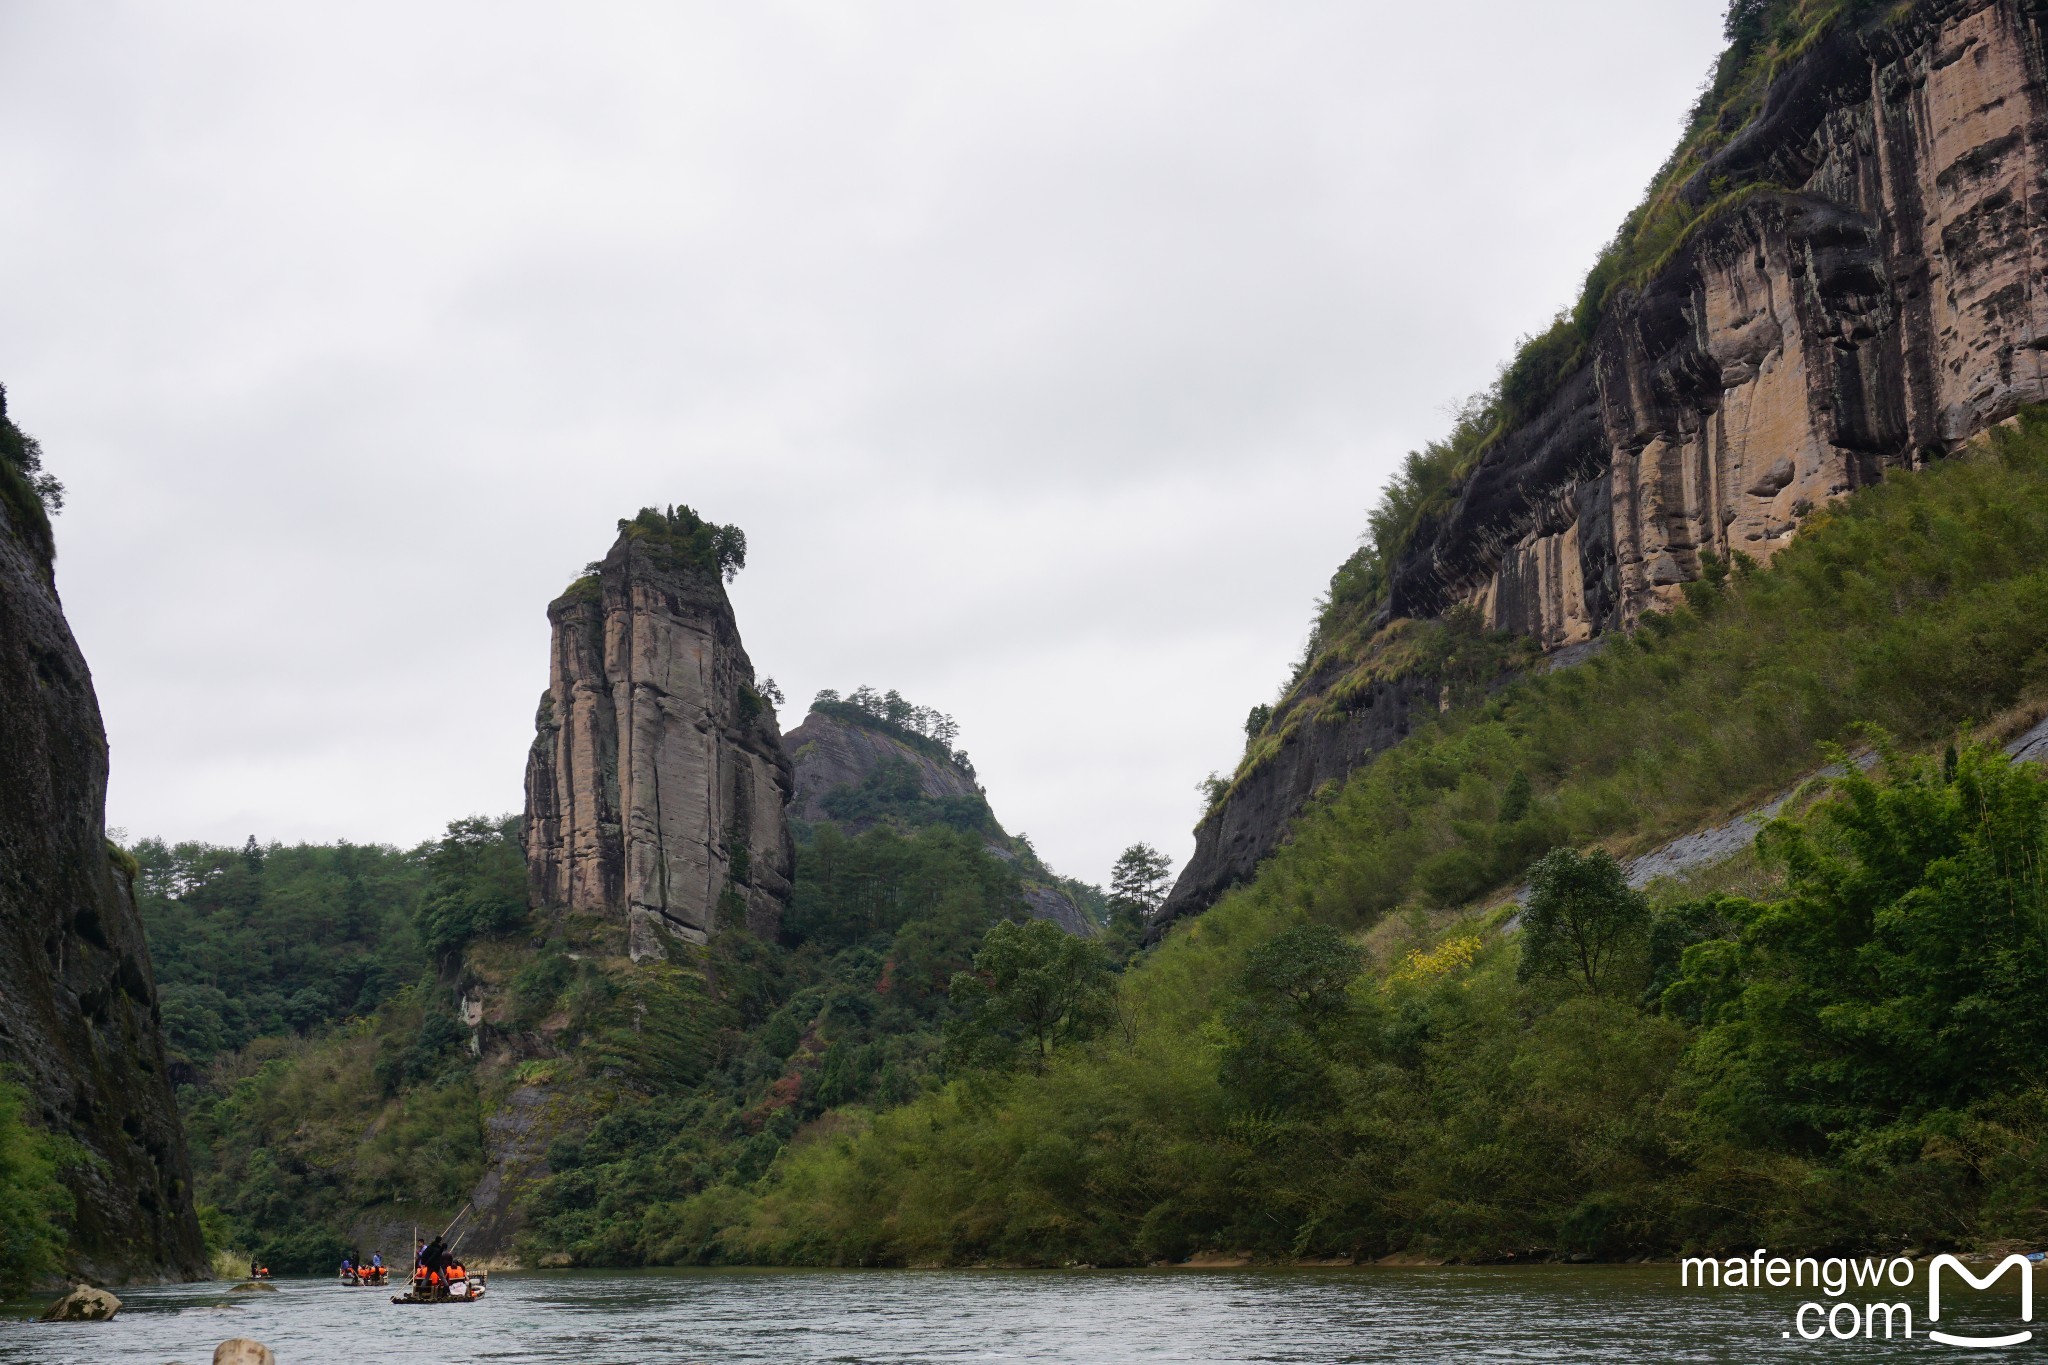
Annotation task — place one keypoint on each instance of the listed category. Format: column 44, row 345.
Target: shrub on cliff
column 30, row 492
column 691, row 539
column 33, row 1202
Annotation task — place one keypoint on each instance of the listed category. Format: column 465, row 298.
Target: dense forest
column 310, row 998
column 1820, row 1044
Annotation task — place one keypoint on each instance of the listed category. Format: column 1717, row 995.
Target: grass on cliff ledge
column 1498, row 1119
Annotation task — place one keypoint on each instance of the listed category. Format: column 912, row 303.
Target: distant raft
column 425, row 1291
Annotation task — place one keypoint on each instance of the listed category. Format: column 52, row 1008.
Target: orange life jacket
column 456, row 1272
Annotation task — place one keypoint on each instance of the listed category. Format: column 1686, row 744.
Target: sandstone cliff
column 1870, row 297
column 1861, row 290
column 78, row 1015
column 856, row 774
column 656, row 783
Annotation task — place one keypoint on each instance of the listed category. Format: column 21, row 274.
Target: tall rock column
column 656, row 783
column 79, row 1027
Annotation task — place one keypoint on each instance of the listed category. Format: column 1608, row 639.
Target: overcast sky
column 1049, row 355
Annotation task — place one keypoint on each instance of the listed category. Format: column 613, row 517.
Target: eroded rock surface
column 1248, row 825
column 1865, row 293
column 83, row 1304
column 1875, row 301
column 79, row 1027
column 656, row 782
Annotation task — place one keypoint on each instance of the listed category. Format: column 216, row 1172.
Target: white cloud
column 1049, row 354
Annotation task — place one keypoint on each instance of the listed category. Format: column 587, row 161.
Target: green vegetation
column 920, row 727
column 260, row 942
column 1895, row 985
column 892, row 792
column 330, row 1088
column 322, row 1074
column 1583, row 922
column 849, row 1010
column 1350, row 1056
column 29, row 493
column 476, row 884
column 1034, row 987
column 294, row 1141
column 1138, row 885
column 688, row 540
column 33, row 1201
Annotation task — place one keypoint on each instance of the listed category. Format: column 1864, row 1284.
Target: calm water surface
column 1550, row 1314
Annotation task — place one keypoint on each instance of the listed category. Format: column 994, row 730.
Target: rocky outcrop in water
column 83, row 1304
column 1864, row 292
column 79, row 1027
column 656, row 783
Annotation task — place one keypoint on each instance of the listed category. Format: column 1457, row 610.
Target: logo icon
column 2026, row 1299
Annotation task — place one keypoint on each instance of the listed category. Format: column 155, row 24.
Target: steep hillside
column 1370, row 1050
column 79, row 1027
column 869, row 761
column 1836, row 276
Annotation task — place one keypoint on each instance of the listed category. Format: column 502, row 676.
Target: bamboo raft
column 414, row 1296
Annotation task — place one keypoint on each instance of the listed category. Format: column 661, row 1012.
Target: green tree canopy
column 476, row 883
column 1581, row 920
column 1138, row 885
column 1904, row 971
column 1034, row 987
column 1288, row 1008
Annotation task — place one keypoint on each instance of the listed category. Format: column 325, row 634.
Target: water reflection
column 1547, row 1314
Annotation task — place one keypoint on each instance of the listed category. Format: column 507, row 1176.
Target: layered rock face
column 1864, row 293
column 831, row 754
column 1873, row 300
column 79, row 1026
column 656, row 783
column 1251, row 822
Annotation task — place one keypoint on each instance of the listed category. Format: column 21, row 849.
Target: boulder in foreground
column 243, row 1351
column 83, row 1304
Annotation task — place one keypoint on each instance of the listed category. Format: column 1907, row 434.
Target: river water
column 1537, row 1313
